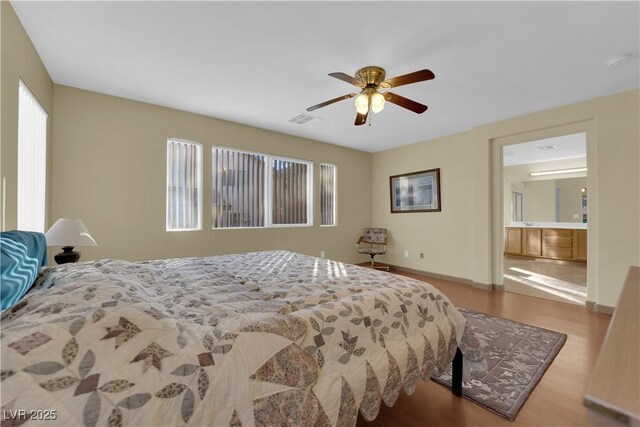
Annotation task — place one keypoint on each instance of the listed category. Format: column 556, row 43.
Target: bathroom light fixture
column 558, row 172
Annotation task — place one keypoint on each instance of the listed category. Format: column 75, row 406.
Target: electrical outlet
column 406, row 253
column 321, row 254
column 421, row 255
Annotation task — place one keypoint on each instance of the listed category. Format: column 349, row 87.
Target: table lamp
column 68, row 233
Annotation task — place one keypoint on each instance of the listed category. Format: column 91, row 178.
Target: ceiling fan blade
column 347, row 78
column 331, row 101
column 416, row 76
column 361, row 119
column 403, row 102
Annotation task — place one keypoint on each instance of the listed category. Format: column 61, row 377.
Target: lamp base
column 67, row 255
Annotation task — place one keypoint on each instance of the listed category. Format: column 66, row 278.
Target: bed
column 266, row 338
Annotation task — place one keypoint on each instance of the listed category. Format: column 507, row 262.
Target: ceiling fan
column 372, row 78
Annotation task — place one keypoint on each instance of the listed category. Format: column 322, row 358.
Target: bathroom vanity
column 563, row 241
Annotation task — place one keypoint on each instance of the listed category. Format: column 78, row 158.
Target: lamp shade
column 362, row 103
column 377, row 102
column 69, row 232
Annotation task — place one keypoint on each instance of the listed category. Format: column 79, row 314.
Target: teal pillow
column 22, row 253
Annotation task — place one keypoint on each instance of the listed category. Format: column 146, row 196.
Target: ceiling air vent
column 302, row 119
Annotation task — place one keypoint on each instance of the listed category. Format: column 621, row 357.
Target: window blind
column 327, row 194
column 238, row 198
column 290, row 192
column 32, row 161
column 184, row 189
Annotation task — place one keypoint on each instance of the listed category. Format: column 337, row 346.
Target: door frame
column 497, row 189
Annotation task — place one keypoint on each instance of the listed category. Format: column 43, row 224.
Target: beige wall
column 19, row 60
column 109, row 169
column 444, row 237
column 465, row 239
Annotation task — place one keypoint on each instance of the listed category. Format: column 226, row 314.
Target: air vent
column 546, row 148
column 302, row 119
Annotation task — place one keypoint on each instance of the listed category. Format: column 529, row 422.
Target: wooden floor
column 556, row 400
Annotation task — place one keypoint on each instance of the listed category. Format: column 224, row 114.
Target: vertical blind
column 238, row 198
column 327, row 194
column 32, row 161
column 248, row 189
column 184, row 190
column 289, row 192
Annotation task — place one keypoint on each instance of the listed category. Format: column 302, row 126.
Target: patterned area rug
column 517, row 354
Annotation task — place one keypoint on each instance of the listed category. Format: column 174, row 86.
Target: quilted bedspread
column 266, row 338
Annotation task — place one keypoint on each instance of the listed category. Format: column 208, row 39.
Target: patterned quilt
column 267, row 338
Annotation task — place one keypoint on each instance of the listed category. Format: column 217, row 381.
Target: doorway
column 545, row 221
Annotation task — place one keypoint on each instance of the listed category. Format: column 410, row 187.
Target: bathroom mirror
column 552, row 200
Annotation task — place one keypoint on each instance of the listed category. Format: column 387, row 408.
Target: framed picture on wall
column 415, row 192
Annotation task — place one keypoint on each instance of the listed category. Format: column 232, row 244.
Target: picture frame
column 415, row 192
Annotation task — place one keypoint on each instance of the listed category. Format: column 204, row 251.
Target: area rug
column 517, row 356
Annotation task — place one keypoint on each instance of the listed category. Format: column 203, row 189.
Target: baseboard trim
column 599, row 308
column 468, row 282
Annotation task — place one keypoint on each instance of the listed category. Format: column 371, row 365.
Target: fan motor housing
column 371, row 75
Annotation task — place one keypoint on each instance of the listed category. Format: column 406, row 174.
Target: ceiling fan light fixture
column 362, row 103
column 377, row 102
column 369, row 80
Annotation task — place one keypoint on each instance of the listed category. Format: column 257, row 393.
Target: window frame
column 335, row 195
column 268, row 187
column 199, row 166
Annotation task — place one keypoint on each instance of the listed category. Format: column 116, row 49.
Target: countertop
column 567, row 225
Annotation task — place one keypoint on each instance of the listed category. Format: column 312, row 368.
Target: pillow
column 22, row 253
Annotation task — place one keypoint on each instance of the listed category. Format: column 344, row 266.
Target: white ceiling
column 544, row 150
column 262, row 63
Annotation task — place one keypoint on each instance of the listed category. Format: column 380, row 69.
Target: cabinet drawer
column 557, row 253
column 554, row 232
column 557, row 242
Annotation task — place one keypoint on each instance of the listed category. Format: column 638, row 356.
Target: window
column 32, row 161
column 290, row 182
column 258, row 190
column 184, row 185
column 238, row 183
column 328, row 194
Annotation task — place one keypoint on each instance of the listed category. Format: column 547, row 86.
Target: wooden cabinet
column 553, row 243
column 557, row 243
column 532, row 245
column 513, row 241
column 580, row 245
